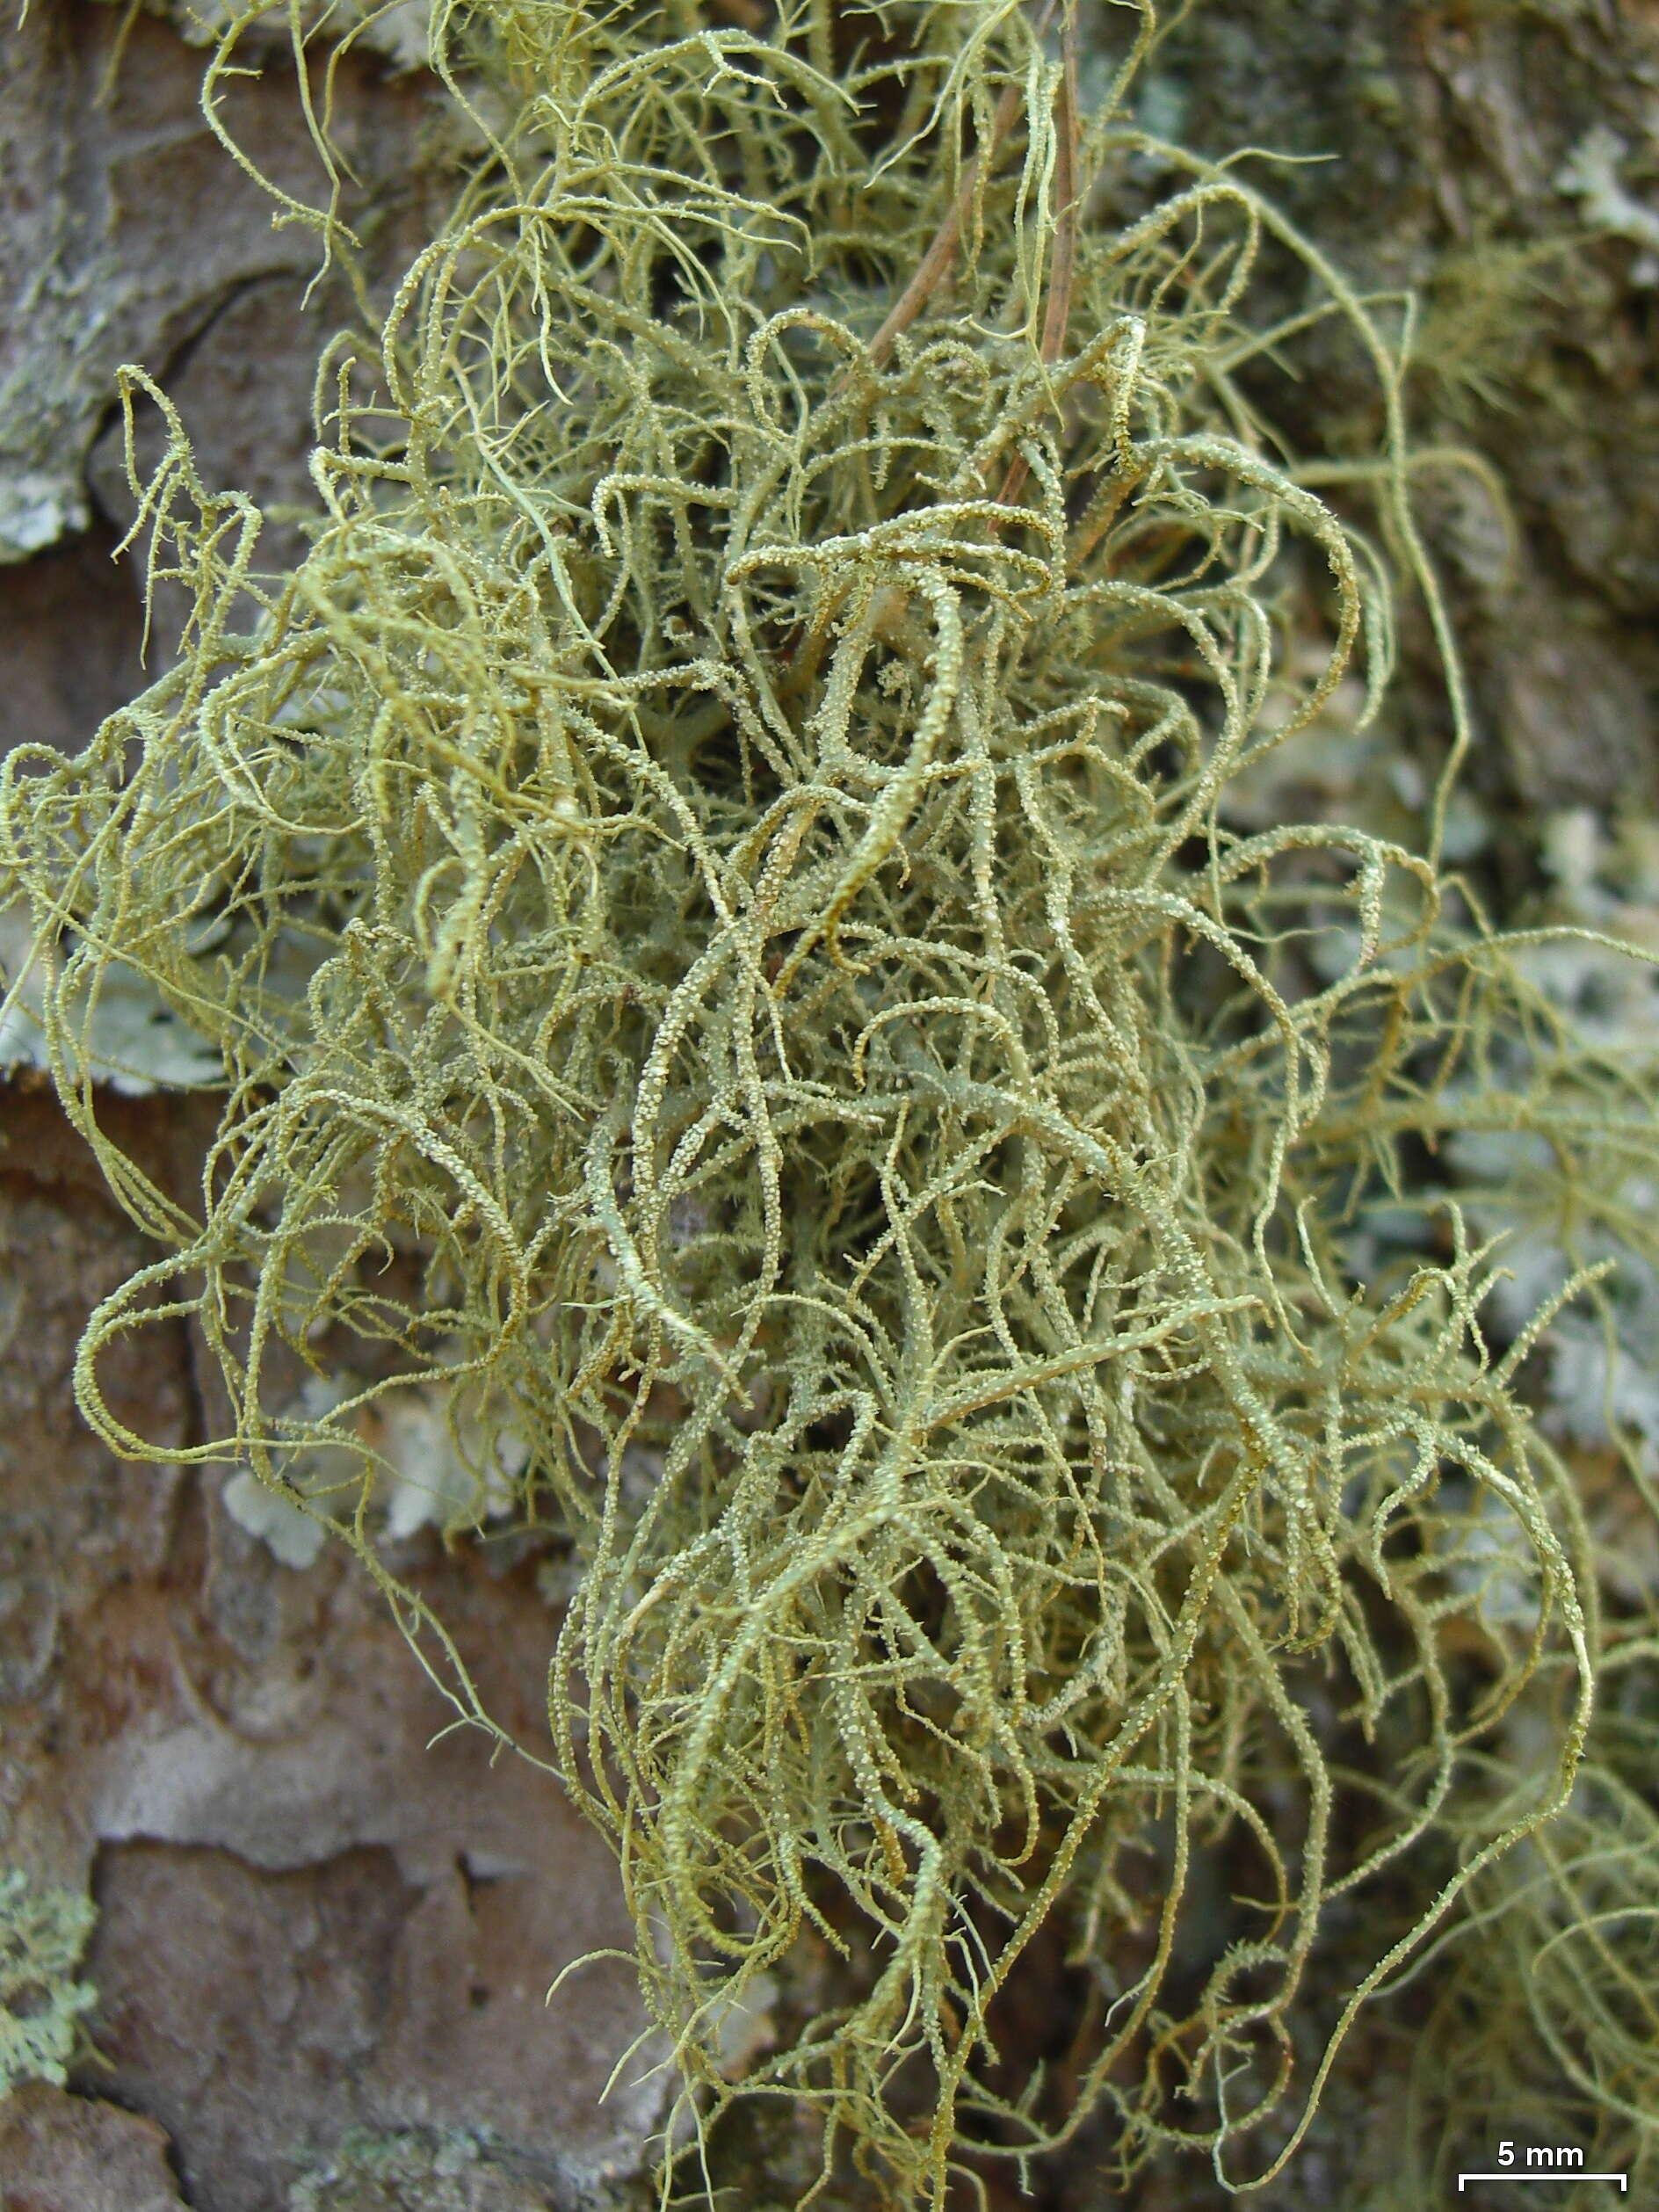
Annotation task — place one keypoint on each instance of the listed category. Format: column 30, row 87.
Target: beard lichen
column 711, row 887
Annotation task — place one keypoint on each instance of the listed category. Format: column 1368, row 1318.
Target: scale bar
column 1558, row 2173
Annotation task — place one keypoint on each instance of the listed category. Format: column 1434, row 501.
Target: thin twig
column 1057, row 311
column 940, row 254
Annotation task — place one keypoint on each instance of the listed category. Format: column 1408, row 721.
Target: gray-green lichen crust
column 43, row 1932
column 711, row 888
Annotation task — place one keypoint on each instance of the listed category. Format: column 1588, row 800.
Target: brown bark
column 1499, row 159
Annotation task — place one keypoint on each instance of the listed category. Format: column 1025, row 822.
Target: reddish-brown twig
column 1057, row 309
column 942, row 251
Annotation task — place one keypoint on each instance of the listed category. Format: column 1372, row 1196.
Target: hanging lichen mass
column 712, row 887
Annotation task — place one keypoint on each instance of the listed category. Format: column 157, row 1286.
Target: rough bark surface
column 310, row 1924
column 322, row 1948
column 1499, row 160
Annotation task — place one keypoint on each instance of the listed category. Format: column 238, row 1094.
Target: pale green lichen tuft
column 712, row 889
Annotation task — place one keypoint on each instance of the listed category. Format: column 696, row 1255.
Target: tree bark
column 1498, row 160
